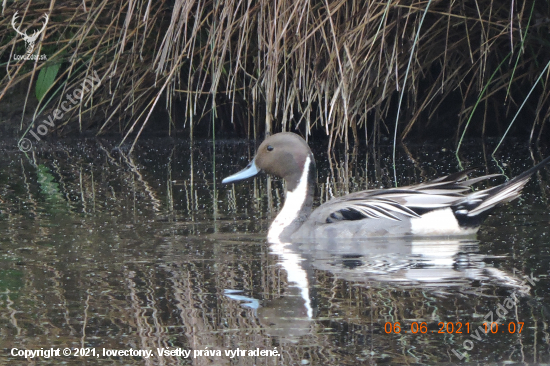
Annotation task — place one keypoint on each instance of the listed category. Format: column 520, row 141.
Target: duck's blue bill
column 250, row 171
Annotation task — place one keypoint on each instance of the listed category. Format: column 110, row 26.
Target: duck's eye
column 269, row 148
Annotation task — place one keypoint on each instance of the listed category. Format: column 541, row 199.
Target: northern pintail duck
column 445, row 206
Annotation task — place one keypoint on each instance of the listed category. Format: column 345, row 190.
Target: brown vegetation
column 258, row 66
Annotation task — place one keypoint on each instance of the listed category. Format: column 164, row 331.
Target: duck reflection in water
column 434, row 266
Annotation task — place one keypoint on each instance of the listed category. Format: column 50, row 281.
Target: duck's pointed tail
column 479, row 204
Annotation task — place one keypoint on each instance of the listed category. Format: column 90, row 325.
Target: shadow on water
column 108, row 251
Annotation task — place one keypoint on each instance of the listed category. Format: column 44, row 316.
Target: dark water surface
column 104, row 251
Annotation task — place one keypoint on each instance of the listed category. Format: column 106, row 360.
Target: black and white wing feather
column 451, row 191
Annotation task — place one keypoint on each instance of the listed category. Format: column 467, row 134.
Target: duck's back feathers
column 444, row 206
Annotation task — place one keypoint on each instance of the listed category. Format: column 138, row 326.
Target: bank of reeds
column 342, row 67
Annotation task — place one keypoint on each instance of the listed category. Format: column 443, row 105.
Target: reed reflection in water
column 107, row 250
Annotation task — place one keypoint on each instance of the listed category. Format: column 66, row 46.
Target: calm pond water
column 102, row 251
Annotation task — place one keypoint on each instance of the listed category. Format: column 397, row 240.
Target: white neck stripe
column 294, row 202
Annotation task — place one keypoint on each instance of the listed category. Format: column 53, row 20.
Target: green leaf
column 45, row 80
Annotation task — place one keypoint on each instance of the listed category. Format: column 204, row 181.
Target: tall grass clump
column 340, row 67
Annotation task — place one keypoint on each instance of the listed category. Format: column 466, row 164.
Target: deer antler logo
column 29, row 40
